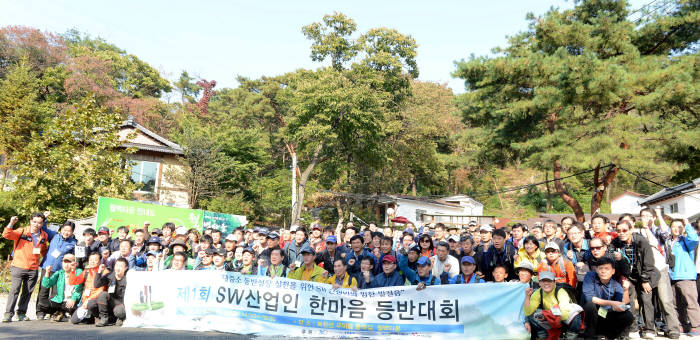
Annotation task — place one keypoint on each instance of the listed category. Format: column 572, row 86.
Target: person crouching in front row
column 67, row 295
column 550, row 311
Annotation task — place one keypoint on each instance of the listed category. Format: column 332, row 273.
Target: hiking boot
column 119, row 322
column 7, row 317
column 58, row 317
column 102, row 322
column 22, row 317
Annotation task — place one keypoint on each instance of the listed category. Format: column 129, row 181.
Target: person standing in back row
column 30, row 244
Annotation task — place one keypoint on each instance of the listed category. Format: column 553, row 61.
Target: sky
column 220, row 40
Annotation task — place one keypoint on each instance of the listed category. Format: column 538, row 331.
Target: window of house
column 673, row 207
column 144, row 172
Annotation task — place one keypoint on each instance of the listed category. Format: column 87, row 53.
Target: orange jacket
column 23, row 246
column 87, row 277
column 566, row 276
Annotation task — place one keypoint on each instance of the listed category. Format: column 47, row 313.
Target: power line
column 486, row 193
column 659, row 184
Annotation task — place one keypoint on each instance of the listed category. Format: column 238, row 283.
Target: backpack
column 569, row 290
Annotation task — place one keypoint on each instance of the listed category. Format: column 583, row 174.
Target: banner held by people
column 231, row 302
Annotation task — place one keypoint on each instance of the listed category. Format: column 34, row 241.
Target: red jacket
column 23, row 246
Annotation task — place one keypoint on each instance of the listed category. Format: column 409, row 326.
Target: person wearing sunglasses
column 644, row 276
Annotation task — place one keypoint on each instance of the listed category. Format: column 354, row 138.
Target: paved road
column 65, row 331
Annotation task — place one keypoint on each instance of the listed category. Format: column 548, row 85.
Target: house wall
column 408, row 209
column 626, row 204
column 169, row 192
column 139, row 137
column 687, row 205
column 166, row 192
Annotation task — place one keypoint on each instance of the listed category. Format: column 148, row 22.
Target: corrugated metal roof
column 153, row 148
column 671, row 192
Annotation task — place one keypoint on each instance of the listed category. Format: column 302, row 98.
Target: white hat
column 552, row 245
column 181, row 231
column 486, row 227
column 293, row 228
column 230, row 237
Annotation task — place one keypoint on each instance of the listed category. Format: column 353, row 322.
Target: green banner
column 224, row 222
column 113, row 213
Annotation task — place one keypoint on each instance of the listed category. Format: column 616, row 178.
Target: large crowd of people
column 634, row 277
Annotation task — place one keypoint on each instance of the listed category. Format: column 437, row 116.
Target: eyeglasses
column 597, row 248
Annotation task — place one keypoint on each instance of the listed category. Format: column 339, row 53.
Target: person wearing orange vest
column 90, row 293
column 30, row 244
column 564, row 271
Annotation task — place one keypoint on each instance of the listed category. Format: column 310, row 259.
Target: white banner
column 230, row 302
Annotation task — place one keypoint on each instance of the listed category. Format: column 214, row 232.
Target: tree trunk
column 414, row 188
column 303, row 179
column 549, row 194
column 601, row 186
column 570, row 200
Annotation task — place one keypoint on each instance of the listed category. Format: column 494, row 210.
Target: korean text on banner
column 230, row 302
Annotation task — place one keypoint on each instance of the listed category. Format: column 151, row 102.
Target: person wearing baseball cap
column 248, row 266
column 484, row 235
column 388, row 277
column 563, row 269
column 152, row 246
column 270, row 241
column 466, row 274
column 422, row 276
column 219, row 260
column 307, row 270
column 103, row 237
column 315, row 239
column 151, row 262
column 549, row 310
column 330, row 254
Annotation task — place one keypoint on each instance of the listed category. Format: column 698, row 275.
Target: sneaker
column 22, row 317
column 40, row 316
column 58, row 317
column 102, row 322
column 693, row 332
column 634, row 335
column 648, row 335
column 119, row 322
column 7, row 317
column 673, row 335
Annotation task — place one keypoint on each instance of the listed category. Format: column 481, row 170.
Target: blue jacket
column 684, row 254
column 584, row 247
column 355, row 267
column 382, row 280
column 58, row 246
column 458, row 279
column 412, row 275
